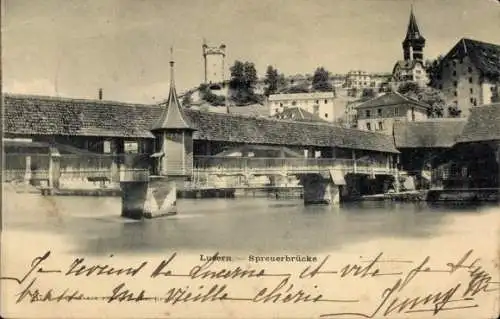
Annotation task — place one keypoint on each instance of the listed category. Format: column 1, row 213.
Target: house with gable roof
column 380, row 113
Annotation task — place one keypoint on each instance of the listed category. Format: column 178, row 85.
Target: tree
column 433, row 69
column 242, row 83
column 430, row 96
column 187, row 100
column 368, row 93
column 454, row 111
column 321, row 80
column 298, row 88
column 208, row 96
column 495, row 94
column 271, row 81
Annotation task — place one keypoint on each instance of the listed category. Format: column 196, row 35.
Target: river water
column 91, row 227
column 261, row 225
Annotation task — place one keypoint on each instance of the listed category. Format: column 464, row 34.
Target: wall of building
column 322, row 104
column 463, row 85
column 215, row 68
column 381, row 118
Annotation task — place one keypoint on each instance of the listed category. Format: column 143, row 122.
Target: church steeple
column 172, row 117
column 414, row 42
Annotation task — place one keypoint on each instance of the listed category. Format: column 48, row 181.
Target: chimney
column 100, row 93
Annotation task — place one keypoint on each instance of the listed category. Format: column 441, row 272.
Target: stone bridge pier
column 320, row 189
column 153, row 197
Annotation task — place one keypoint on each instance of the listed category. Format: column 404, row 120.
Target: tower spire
column 172, row 116
column 414, row 42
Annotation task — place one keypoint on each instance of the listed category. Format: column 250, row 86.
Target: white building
column 319, row 103
column 358, row 80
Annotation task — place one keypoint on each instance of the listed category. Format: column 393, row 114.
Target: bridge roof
column 433, row 133
column 483, row 124
column 38, row 115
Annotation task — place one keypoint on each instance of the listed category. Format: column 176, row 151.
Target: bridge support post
column 151, row 198
column 320, row 190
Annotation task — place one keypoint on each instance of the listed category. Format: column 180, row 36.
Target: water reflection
column 256, row 225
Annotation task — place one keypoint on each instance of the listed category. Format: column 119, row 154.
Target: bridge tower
column 172, row 163
column 213, row 58
column 173, row 138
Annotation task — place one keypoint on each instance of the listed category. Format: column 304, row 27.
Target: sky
column 71, row 48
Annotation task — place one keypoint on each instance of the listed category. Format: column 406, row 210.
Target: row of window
column 455, row 83
column 128, row 147
column 378, row 127
column 379, row 112
column 294, row 103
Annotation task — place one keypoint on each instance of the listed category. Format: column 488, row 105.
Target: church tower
column 173, row 137
column 213, row 58
column 414, row 42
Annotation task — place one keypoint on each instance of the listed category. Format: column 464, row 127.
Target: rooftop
column 485, row 56
column 36, row 115
column 483, row 124
column 431, row 133
column 389, row 99
column 298, row 114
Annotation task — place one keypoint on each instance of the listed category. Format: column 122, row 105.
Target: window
column 317, row 154
column 455, row 93
column 471, row 90
column 440, row 86
column 472, row 100
column 380, row 126
column 294, row 103
column 367, row 113
column 379, row 112
column 277, row 110
column 368, row 126
column 131, row 147
column 470, row 80
column 106, row 147
column 317, row 101
column 281, row 104
column 396, row 111
column 454, row 63
column 413, row 114
column 469, row 69
column 454, row 73
column 326, row 101
column 326, row 115
column 455, row 83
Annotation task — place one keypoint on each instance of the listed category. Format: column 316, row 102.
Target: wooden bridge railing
column 232, row 164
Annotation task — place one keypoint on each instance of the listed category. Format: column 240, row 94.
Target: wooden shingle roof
column 35, row 115
column 483, row 124
column 439, row 133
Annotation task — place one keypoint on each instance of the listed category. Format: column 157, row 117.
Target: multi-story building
column 411, row 68
column 358, row 79
column 321, row 104
column 380, row 113
column 469, row 75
